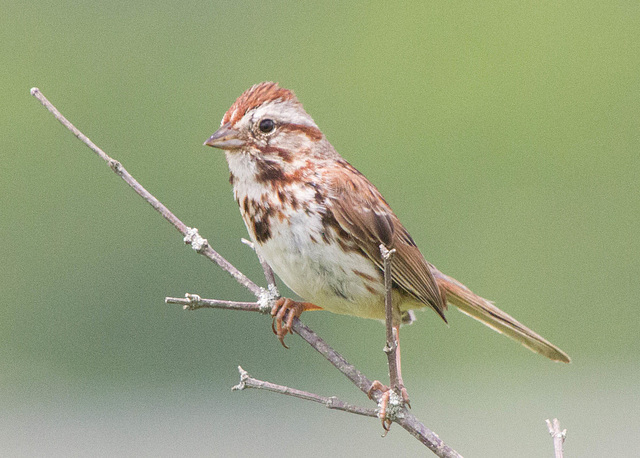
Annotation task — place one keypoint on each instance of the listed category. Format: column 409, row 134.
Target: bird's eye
column 266, row 126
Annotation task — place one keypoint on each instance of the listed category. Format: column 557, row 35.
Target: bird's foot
column 283, row 312
column 383, row 403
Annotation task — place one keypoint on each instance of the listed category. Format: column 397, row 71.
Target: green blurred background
column 504, row 134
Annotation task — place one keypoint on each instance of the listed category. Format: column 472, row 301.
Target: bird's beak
column 226, row 138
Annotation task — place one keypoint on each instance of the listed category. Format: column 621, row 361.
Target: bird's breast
column 299, row 238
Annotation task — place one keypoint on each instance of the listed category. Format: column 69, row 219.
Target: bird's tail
column 484, row 311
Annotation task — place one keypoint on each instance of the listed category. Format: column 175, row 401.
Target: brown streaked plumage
column 319, row 222
column 362, row 211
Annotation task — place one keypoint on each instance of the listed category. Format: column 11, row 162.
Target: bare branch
column 189, row 234
column 403, row 417
column 266, row 268
column 265, row 296
column 246, row 381
column 558, row 436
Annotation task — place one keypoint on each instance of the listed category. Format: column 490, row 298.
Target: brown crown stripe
column 254, row 97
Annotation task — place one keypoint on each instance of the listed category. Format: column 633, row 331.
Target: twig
column 403, row 417
column 191, row 236
column 558, row 436
column 391, row 347
column 266, row 268
column 195, row 302
column 246, row 381
column 265, row 297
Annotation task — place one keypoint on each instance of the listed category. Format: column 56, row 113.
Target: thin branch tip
column 557, row 435
column 331, row 402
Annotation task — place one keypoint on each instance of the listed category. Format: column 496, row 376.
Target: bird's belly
column 320, row 270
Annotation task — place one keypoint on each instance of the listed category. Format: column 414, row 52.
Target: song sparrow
column 319, row 223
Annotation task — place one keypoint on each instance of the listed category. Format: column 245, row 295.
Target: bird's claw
column 384, row 401
column 283, row 312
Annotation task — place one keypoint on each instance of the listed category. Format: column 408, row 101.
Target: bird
column 319, row 223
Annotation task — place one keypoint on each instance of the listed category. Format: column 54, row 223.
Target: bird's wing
column 363, row 213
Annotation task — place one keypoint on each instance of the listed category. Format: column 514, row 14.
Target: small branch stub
column 194, row 301
column 193, row 238
column 244, row 375
column 267, row 298
column 116, row 166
